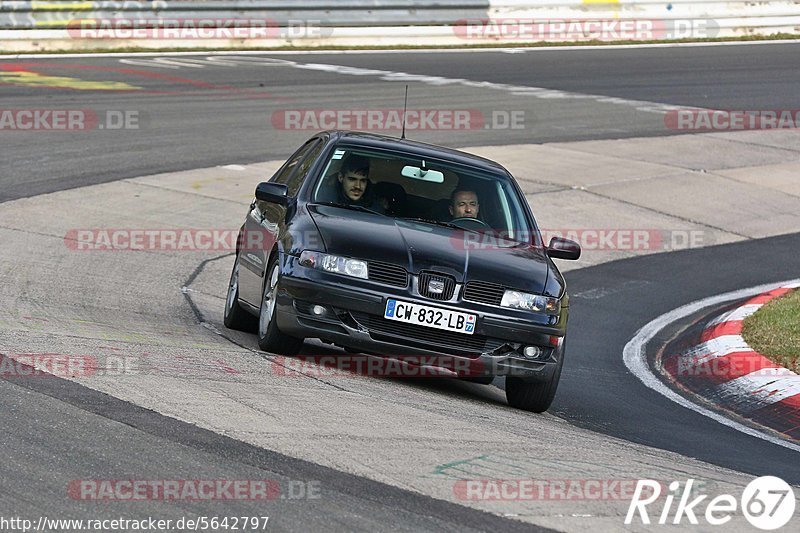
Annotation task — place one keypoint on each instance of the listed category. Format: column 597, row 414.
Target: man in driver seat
column 354, row 181
column 464, row 204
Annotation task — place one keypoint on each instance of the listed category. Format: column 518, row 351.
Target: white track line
column 509, row 49
column 740, row 313
column 635, row 357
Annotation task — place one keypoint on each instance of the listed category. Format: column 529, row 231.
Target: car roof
column 373, row 140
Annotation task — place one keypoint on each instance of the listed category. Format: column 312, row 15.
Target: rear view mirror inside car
column 422, row 174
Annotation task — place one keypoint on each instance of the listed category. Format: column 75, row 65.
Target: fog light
column 533, row 352
column 318, row 310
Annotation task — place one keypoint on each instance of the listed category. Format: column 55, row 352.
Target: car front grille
column 436, row 340
column 388, row 274
column 430, row 280
column 483, row 292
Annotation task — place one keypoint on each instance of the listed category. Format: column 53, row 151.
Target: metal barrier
column 720, row 18
column 57, row 14
column 51, row 25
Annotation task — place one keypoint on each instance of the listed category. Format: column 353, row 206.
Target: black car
column 393, row 247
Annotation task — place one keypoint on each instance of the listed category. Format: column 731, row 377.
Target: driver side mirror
column 274, row 193
column 560, row 248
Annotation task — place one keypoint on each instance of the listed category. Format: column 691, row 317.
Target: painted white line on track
column 516, row 90
column 719, row 347
column 517, row 50
column 635, row 358
column 230, row 59
column 761, row 388
column 740, row 313
column 405, row 77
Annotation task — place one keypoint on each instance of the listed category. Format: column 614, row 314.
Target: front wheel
column 535, row 397
column 270, row 338
column 235, row 317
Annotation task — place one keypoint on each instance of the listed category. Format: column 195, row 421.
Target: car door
column 265, row 221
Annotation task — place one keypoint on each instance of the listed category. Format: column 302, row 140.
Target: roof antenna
column 405, row 107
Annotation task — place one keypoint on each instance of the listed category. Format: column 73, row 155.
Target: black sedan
column 392, row 247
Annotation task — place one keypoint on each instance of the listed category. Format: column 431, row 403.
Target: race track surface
column 201, row 114
column 387, row 454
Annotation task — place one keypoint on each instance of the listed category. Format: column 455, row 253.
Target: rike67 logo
column 767, row 503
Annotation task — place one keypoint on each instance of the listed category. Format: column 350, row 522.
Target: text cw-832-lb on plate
column 432, row 317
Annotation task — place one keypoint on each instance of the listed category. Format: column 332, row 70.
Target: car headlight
column 531, row 302
column 334, row 264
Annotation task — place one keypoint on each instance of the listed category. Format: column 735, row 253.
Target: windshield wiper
column 354, row 207
column 436, row 223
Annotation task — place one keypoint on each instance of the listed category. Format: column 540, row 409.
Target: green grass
column 774, row 330
column 773, row 37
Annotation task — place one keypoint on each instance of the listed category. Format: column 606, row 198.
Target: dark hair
column 459, row 190
column 357, row 164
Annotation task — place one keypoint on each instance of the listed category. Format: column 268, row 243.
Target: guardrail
column 541, row 9
column 69, row 24
column 57, row 14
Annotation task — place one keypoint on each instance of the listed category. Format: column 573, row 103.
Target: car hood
column 418, row 246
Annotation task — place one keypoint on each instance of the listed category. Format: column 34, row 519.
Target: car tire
column 235, row 317
column 533, row 396
column 270, row 338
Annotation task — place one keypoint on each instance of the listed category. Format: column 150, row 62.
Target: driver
column 353, row 180
column 464, row 204
column 355, row 187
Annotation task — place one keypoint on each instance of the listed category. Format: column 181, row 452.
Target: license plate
column 431, row 317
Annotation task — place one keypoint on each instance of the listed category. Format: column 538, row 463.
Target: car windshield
column 428, row 191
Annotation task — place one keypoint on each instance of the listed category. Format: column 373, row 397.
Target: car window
column 404, row 185
column 297, row 179
column 287, row 170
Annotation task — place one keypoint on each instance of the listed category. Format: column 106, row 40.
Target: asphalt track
column 636, row 291
column 201, row 117
column 57, row 430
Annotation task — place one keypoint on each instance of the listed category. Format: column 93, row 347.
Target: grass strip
column 774, row 331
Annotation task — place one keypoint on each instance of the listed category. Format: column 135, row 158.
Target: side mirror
column 563, row 249
column 275, row 193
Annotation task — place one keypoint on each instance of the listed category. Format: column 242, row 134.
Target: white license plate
column 431, row 317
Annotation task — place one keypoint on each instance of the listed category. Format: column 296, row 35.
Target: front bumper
column 353, row 318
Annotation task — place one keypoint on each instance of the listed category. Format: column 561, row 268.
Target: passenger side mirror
column 560, row 248
column 274, row 193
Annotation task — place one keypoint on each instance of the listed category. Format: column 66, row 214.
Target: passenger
column 464, row 204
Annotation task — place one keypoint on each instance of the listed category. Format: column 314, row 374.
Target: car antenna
column 405, row 107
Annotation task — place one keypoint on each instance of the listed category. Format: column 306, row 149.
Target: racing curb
column 724, row 370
